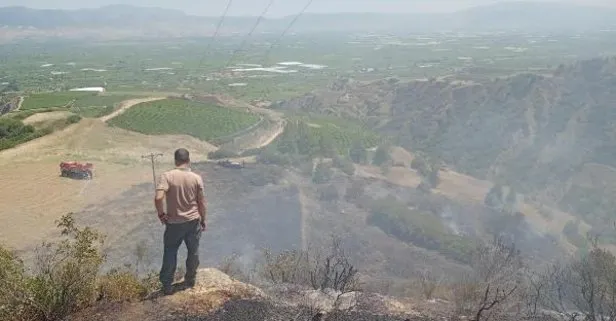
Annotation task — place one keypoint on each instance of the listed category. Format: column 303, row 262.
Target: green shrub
column 358, row 153
column 420, row 165
column 13, row 298
column 344, row 164
column 381, row 155
column 271, row 156
column 14, row 132
column 73, row 119
column 120, row 286
column 66, row 274
column 322, row 174
column 65, row 278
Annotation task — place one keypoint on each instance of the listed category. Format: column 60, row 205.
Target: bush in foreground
column 66, row 278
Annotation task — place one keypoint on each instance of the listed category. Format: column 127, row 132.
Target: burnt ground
column 250, row 310
column 243, row 218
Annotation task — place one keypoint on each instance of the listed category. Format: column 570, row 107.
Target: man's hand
column 163, row 218
column 203, row 224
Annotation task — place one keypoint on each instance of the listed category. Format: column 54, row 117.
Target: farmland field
column 178, row 116
column 47, row 100
column 299, row 64
column 61, row 99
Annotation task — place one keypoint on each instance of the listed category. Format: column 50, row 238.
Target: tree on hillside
column 322, row 173
column 494, row 198
column 382, row 155
column 420, row 165
column 13, row 128
column 429, row 172
column 358, row 153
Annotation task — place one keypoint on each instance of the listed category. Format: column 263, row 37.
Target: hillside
column 116, row 155
column 536, row 133
column 113, row 21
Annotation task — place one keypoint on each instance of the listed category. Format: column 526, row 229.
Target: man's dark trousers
column 175, row 234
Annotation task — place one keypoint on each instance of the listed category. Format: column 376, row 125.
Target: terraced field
column 178, row 116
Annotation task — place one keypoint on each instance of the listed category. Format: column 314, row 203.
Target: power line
column 222, row 18
column 284, row 32
column 249, row 33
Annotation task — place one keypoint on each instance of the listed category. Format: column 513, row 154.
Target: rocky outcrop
column 219, row 297
column 212, row 291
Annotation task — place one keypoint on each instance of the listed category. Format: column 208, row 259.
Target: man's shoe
column 167, row 290
column 189, row 283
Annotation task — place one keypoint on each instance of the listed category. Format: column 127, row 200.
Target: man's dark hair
column 181, row 156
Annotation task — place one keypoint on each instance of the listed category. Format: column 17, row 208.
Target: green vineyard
column 82, row 100
column 178, row 116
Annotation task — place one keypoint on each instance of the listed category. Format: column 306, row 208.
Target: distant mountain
column 523, row 16
column 534, row 16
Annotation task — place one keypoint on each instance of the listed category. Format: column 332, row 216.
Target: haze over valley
column 451, row 162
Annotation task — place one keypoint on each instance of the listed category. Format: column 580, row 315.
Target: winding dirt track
column 125, row 105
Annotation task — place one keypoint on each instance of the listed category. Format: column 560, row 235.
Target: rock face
column 218, row 297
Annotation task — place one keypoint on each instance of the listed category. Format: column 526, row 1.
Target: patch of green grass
column 47, row 100
column 178, row 116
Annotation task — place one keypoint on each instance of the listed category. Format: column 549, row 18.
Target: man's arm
column 202, row 203
column 161, row 189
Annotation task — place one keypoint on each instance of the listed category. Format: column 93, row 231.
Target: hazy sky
column 283, row 7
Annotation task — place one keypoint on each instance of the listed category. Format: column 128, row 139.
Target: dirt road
column 19, row 102
column 125, row 105
column 266, row 140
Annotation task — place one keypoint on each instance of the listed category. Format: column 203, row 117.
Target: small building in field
column 90, row 89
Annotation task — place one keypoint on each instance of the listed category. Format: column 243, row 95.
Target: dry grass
column 33, row 195
column 45, row 117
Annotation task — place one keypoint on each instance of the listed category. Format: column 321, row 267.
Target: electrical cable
column 249, row 33
column 284, row 32
column 222, row 18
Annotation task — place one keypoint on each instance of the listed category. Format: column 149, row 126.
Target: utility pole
column 152, row 157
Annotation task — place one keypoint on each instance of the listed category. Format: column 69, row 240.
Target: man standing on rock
column 184, row 219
